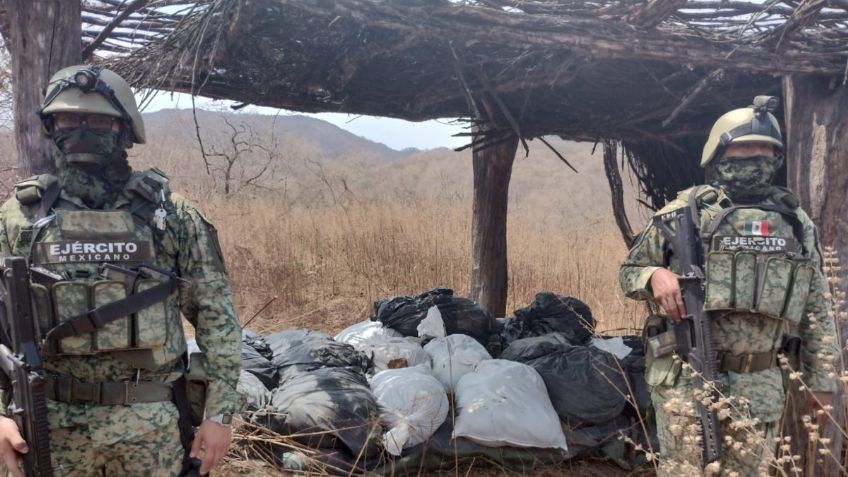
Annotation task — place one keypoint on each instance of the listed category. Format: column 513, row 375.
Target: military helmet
column 755, row 123
column 94, row 90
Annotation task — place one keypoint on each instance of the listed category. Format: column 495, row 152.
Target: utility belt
column 188, row 392
column 106, row 393
column 662, row 342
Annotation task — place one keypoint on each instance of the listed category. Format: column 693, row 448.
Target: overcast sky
column 395, row 133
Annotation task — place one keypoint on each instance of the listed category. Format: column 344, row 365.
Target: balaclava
column 745, row 179
column 92, row 163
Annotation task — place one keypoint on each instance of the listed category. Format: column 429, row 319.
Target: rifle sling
column 101, row 316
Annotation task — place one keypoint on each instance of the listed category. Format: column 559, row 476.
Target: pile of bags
column 534, row 388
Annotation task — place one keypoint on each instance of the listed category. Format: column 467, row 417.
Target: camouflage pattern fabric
column 85, row 140
column 187, row 246
column 744, row 176
column 138, row 440
column 94, row 184
column 739, row 331
column 748, row 448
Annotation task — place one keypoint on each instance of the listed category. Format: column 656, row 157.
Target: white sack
column 365, row 331
column 400, row 352
column 413, row 405
column 453, row 357
column 504, row 403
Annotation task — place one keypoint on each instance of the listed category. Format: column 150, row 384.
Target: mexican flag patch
column 757, row 227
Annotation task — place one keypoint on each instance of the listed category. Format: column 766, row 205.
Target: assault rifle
column 21, row 367
column 693, row 333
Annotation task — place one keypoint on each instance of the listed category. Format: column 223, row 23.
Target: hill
column 314, row 162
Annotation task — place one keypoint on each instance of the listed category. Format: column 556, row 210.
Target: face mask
column 95, row 183
column 87, row 146
column 745, row 176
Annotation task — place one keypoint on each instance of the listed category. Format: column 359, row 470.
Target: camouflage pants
column 748, row 446
column 157, row 454
column 115, row 441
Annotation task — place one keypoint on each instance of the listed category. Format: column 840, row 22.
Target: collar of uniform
column 78, row 203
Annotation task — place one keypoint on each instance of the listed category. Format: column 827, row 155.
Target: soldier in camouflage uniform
column 765, row 290
column 103, row 233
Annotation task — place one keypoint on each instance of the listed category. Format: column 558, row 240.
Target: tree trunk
column 817, row 145
column 492, row 171
column 45, row 37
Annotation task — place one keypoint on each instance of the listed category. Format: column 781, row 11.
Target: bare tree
column 243, row 160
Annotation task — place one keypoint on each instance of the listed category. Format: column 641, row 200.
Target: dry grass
column 328, row 265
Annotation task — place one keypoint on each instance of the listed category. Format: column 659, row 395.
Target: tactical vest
column 101, row 280
column 755, row 260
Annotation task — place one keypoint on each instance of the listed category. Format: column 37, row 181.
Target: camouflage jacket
column 188, row 246
column 739, row 332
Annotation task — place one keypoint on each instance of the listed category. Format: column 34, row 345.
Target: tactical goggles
column 75, row 120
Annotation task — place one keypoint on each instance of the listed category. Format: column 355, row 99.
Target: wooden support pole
column 45, row 37
column 617, row 192
column 492, row 171
column 817, row 145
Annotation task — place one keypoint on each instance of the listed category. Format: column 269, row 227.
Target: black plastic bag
column 256, row 364
column 257, row 342
column 308, row 350
column 253, row 391
column 634, row 364
column 585, row 384
column 404, row 313
column 325, row 408
column 460, row 315
column 548, row 313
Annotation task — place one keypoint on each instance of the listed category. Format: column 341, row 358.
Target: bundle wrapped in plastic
column 453, row 357
column 504, row 403
column 392, row 353
column 413, row 405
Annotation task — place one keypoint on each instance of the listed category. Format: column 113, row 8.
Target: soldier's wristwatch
column 222, row 419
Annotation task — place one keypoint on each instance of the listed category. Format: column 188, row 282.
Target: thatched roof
column 652, row 74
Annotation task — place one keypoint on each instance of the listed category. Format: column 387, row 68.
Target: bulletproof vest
column 755, row 259
column 100, row 258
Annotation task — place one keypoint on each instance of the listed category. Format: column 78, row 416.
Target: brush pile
column 433, row 380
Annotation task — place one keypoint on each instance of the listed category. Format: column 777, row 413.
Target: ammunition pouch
column 661, row 365
column 82, row 318
column 751, row 282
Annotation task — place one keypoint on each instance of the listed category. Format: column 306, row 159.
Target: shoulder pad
column 149, row 185
column 708, row 195
column 785, row 197
column 29, row 191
